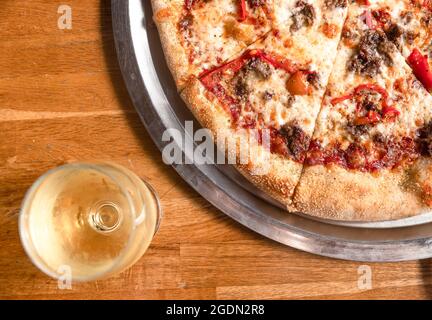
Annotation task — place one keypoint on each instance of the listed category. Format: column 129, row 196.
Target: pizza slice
column 199, row 34
column 369, row 158
column 408, row 24
column 276, row 86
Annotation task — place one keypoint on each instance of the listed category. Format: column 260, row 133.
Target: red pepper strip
column 376, row 88
column 211, row 81
column 237, row 64
column 390, row 113
column 234, row 65
column 358, row 89
column 275, row 61
column 242, row 10
column 371, row 87
column 363, row 2
column 371, row 118
column 338, row 100
column 421, row 68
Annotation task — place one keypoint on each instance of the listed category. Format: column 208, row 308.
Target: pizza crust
column 339, row 194
column 166, row 17
column 283, row 174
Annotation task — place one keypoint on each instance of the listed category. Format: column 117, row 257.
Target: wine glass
column 88, row 221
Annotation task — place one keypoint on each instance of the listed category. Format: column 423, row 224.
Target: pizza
column 334, row 96
column 364, row 161
column 199, row 34
column 277, row 84
column 408, row 24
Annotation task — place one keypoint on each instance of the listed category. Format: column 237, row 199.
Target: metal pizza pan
column 160, row 108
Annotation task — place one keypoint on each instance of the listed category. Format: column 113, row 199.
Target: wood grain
column 62, row 99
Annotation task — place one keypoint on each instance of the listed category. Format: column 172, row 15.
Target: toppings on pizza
column 303, row 15
column 251, row 17
column 370, row 156
column 330, row 30
column 363, row 128
column 302, row 83
column 279, row 84
column 332, row 4
column 380, row 153
column 245, row 87
column 200, row 34
column 295, row 141
column 242, row 10
column 424, row 139
column 408, row 25
column 421, row 68
column 372, row 52
column 372, row 105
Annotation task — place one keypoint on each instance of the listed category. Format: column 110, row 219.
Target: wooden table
column 62, row 99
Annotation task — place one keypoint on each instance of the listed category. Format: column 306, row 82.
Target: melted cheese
column 216, row 34
column 309, row 48
column 397, row 9
column 414, row 104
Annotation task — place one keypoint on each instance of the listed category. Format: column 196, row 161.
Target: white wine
column 96, row 219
